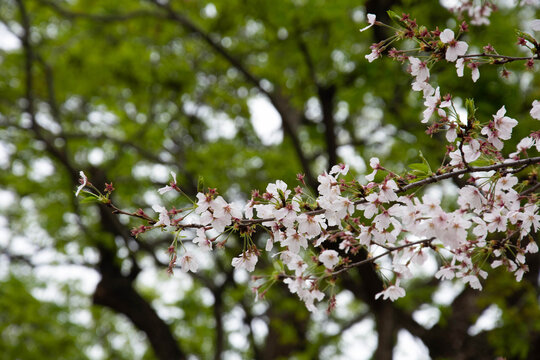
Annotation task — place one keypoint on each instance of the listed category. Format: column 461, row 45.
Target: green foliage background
column 126, row 92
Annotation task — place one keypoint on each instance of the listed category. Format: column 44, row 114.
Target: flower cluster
column 316, row 238
column 477, row 11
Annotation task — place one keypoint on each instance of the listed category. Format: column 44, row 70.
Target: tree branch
column 437, row 178
column 370, row 260
column 290, row 117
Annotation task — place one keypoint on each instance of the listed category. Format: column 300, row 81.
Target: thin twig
column 370, row 260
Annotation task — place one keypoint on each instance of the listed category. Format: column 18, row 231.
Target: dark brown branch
column 430, row 180
column 49, row 80
column 437, row 178
column 370, row 260
column 327, row 97
column 530, row 190
column 116, row 292
column 501, row 59
column 29, row 106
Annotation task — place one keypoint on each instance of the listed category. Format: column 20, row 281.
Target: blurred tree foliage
column 128, row 90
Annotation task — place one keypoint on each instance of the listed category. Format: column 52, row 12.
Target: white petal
column 447, row 36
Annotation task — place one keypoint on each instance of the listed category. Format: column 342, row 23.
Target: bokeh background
column 230, row 94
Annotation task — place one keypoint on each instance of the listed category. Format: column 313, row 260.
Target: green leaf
column 419, row 167
column 471, row 111
column 396, row 18
column 200, row 184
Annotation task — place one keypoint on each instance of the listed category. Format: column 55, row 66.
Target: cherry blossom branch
column 530, row 190
column 370, row 260
column 365, row 216
column 504, row 58
column 139, row 213
column 437, row 178
column 432, row 179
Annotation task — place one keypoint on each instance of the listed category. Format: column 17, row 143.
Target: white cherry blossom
column 393, row 292
column 504, row 124
column 294, row 241
column 293, row 261
column 84, row 181
column 329, row 258
column 460, row 66
column 342, row 169
column 525, row 144
column 375, row 165
column 188, row 263
column 202, row 240
column 371, row 21
column 375, row 54
column 455, row 48
column 203, row 203
column 535, row 111
column 419, row 69
column 246, row 260
column 168, row 188
column 163, row 215
column 311, row 225
column 278, row 189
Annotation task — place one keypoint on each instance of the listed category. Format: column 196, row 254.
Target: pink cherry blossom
column 472, row 151
column 168, row 188
column 451, row 133
column 371, row 207
column 504, row 124
column 329, row 258
column 524, row 144
column 337, row 207
column 455, row 48
column 222, row 209
column 328, row 185
column 375, row 54
column 419, row 69
column 532, row 247
column 246, row 260
column 530, row 217
column 423, row 86
column 471, row 197
column 496, row 220
column 473, row 281
column 293, row 261
column 387, row 193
